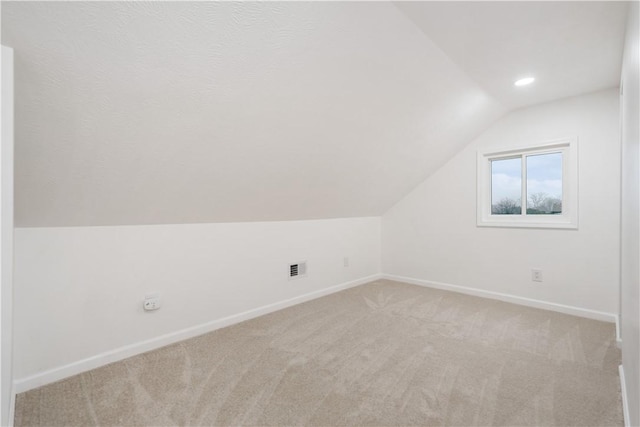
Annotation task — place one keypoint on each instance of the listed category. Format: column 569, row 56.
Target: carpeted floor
column 381, row 354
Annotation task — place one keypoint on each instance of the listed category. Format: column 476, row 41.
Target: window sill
column 518, row 222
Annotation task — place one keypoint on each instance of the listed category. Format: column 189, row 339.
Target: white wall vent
column 298, row 269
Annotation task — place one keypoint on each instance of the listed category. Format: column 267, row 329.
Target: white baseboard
column 567, row 309
column 618, row 332
column 625, row 402
column 24, row 384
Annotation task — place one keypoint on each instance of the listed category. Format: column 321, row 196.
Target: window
column 529, row 187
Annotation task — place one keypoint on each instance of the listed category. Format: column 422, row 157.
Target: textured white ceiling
column 159, row 112
column 571, row 47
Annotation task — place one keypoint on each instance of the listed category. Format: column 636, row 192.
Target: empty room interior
column 320, row 213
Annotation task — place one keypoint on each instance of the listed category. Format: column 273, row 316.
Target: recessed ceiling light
column 525, row 81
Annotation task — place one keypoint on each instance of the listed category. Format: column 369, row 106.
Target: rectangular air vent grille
column 297, row 270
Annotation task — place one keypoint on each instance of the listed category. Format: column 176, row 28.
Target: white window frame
column 569, row 216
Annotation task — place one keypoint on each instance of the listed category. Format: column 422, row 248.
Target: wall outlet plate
column 536, row 275
column 151, row 302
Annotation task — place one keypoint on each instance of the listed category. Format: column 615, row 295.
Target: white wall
column 6, row 234
column 79, row 291
column 432, row 235
column 630, row 272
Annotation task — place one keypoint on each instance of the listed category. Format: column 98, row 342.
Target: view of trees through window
column 543, row 179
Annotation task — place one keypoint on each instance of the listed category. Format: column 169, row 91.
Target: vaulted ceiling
column 182, row 112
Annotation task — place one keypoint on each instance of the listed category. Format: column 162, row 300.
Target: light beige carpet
column 381, row 354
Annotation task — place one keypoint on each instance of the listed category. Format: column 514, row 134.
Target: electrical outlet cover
column 151, row 302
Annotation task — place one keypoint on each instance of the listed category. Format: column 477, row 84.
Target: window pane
column 506, row 186
column 544, row 184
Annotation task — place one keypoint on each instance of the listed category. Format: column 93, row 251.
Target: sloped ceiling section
column 186, row 112
column 181, row 112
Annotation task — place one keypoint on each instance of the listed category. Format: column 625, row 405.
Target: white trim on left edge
column 623, row 392
column 12, row 407
column 545, row 305
column 24, row 384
